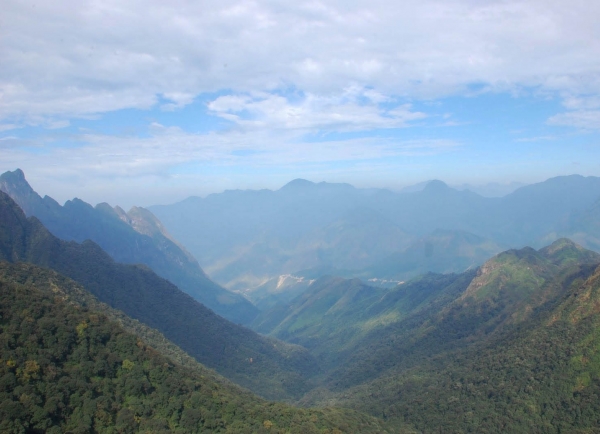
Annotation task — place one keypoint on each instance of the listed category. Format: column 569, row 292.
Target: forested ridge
column 65, row 368
column 517, row 350
column 542, row 376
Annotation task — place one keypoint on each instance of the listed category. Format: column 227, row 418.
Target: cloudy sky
column 143, row 102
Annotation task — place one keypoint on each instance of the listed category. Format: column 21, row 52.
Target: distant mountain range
column 443, row 251
column 492, row 189
column 247, row 238
column 136, row 237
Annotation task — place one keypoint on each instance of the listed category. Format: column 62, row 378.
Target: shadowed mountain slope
column 69, row 368
column 136, row 237
column 268, row 367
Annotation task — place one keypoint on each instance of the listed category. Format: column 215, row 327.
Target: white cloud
column 96, row 157
column 177, row 100
column 312, row 112
column 8, row 127
column 581, row 119
column 75, row 58
column 583, row 102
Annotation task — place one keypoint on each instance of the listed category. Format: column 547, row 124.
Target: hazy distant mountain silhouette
column 245, row 238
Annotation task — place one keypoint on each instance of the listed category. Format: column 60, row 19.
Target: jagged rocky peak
column 16, row 186
column 122, row 214
column 15, row 182
column 17, row 174
column 113, row 212
column 145, row 222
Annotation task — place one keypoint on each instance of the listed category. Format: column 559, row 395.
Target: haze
column 147, row 102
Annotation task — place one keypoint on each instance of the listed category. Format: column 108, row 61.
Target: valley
column 445, row 329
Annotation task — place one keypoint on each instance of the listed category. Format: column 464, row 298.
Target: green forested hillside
column 268, row 367
column 384, row 351
column 335, row 318
column 65, row 368
column 49, row 281
column 514, row 347
column 540, row 376
column 506, row 291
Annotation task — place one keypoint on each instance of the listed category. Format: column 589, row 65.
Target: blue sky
column 143, row 102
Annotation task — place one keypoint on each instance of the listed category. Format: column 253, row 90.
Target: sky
column 147, row 102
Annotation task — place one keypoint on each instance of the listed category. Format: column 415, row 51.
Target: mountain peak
column 16, row 186
column 564, row 251
column 17, row 174
column 562, row 243
column 436, row 186
column 15, row 179
column 298, row 184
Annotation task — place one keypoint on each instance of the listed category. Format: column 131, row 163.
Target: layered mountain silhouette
column 270, row 368
column 136, row 237
column 247, row 238
column 510, row 345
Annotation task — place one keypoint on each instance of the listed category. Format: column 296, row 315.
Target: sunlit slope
column 506, row 291
column 542, row 375
column 136, row 237
column 270, row 368
column 360, row 333
column 336, row 317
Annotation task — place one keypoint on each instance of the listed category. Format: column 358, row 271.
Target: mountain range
column 136, row 237
column 495, row 340
column 245, row 239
